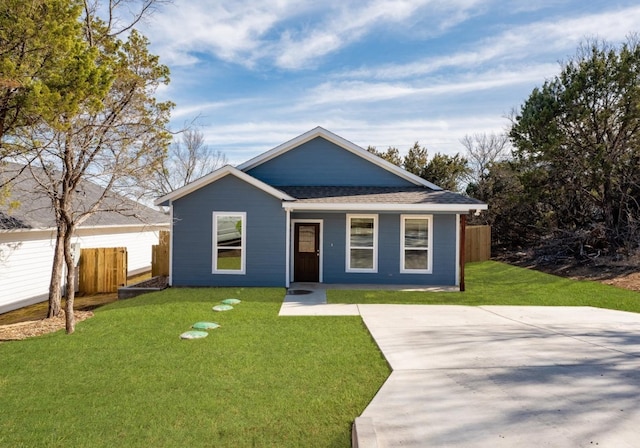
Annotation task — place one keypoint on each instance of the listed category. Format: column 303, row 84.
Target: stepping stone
column 231, row 301
column 194, row 335
column 222, row 308
column 205, row 325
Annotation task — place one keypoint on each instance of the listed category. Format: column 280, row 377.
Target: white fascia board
column 280, row 149
column 219, row 174
column 107, row 229
column 343, row 143
column 323, row 206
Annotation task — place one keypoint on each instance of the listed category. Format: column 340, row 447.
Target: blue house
column 317, row 208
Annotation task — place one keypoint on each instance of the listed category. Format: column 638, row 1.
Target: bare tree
column 186, row 161
column 482, row 151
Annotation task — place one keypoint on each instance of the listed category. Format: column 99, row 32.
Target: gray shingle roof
column 377, row 195
column 34, row 211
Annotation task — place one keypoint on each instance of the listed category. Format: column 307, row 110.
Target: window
column 362, row 243
column 229, row 239
column 415, row 244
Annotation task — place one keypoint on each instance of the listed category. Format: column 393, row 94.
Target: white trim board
column 377, row 207
column 217, row 175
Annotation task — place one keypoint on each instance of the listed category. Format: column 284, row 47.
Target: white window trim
column 429, row 248
column 243, row 247
column 348, row 245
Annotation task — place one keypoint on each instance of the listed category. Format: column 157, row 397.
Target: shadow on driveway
column 506, row 376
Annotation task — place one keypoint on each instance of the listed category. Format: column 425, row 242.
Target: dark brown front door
column 306, row 250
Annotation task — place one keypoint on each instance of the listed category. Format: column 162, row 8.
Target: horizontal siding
column 193, row 239
column 25, row 271
column 334, row 251
column 25, row 265
column 319, row 162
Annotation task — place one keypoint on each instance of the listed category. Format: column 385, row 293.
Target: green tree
column 42, row 60
column 446, row 171
column 116, row 137
column 580, row 134
column 516, row 215
column 391, row 155
column 416, row 160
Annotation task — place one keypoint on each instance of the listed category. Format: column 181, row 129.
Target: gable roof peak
column 319, row 131
column 218, row 174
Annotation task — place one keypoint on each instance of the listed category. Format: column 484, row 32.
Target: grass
column 493, row 283
column 126, row 379
column 82, row 302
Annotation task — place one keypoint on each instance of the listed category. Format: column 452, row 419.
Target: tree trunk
column 55, row 285
column 70, row 292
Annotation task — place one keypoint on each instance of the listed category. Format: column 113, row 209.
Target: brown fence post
column 160, row 255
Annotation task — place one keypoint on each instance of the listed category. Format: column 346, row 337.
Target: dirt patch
column 629, row 281
column 620, row 273
column 24, row 330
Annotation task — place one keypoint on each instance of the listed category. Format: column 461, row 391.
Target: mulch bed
column 24, row 330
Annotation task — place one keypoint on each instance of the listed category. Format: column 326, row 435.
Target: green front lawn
column 125, row 379
column 493, row 283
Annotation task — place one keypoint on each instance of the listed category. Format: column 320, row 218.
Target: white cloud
column 518, row 43
column 290, row 34
column 201, row 109
column 435, row 100
column 364, row 91
column 232, row 31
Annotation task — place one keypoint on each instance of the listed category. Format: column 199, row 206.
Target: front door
column 306, row 252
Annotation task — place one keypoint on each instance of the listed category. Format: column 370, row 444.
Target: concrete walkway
column 314, row 303
column 498, row 376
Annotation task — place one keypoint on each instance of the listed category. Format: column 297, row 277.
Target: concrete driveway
column 498, row 376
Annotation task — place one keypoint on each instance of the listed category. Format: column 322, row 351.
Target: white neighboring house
column 27, row 236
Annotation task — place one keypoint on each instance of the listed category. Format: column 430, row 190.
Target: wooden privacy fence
column 160, row 255
column 102, row 270
column 477, row 243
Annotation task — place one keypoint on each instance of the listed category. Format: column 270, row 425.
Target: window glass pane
column 361, row 259
column 416, row 259
column 416, row 233
column 229, row 231
column 306, row 239
column 229, row 259
column 361, row 232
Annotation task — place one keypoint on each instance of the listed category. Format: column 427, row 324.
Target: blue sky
column 376, row 72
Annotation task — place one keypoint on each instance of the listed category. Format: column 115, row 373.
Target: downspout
column 463, row 229
column 170, row 243
column 287, row 247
